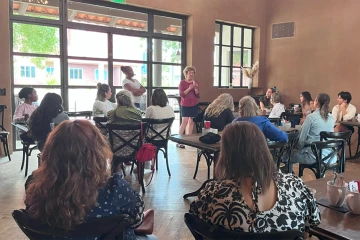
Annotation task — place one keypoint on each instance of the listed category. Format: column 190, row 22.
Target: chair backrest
column 277, row 149
column 158, row 129
column 335, row 135
column 99, row 123
column 86, row 114
column 2, row 112
column 202, row 230
column 293, row 138
column 112, row 227
column 335, row 146
column 275, row 121
column 125, row 140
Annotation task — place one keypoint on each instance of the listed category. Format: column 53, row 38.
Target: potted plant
column 251, row 72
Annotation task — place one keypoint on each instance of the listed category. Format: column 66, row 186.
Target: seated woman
column 249, row 195
column 320, row 120
column 249, row 111
column 278, row 108
column 24, row 110
column 125, row 112
column 102, row 105
column 220, row 111
column 73, row 183
column 307, row 105
column 159, row 109
column 49, row 111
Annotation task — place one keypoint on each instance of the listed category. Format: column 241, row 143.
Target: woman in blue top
column 249, row 111
column 320, row 120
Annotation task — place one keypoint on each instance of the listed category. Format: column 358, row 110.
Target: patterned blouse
column 222, row 203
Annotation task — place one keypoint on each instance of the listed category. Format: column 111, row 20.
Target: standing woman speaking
column 133, row 85
column 189, row 93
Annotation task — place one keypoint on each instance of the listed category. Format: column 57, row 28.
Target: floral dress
column 222, row 203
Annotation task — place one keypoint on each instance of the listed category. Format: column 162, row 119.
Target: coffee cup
column 207, row 124
column 336, row 194
column 352, row 201
column 287, row 126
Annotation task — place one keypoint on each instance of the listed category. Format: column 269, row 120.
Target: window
column 97, row 75
column 27, row 71
column 233, row 49
column 50, row 70
column 76, row 73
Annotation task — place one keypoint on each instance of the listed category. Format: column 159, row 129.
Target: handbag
column 147, row 226
column 147, row 152
column 210, row 138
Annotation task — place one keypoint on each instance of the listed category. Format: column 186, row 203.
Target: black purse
column 210, row 138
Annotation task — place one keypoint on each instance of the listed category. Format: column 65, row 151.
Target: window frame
column 220, row 45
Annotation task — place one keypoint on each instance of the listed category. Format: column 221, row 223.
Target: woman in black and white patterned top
column 249, row 194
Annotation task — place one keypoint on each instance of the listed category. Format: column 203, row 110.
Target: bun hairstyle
column 25, row 92
column 324, row 100
column 102, row 90
column 124, row 69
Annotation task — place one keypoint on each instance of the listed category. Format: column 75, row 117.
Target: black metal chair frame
column 152, row 136
column 320, row 167
column 27, row 150
column 127, row 143
column 86, row 114
column 112, row 227
column 202, row 230
column 4, row 133
column 338, row 135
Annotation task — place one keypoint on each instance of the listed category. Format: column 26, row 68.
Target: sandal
column 180, row 145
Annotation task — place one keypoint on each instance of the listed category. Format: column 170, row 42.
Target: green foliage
column 30, row 38
column 173, row 47
column 51, row 80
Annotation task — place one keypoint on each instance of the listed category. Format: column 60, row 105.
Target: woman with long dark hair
column 307, row 105
column 73, row 183
column 316, row 122
column 49, row 111
column 249, row 194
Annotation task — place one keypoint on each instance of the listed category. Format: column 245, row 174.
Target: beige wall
column 201, row 31
column 5, row 65
column 324, row 56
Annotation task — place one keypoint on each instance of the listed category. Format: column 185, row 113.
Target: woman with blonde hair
column 220, row 111
column 125, row 112
column 249, row 194
column 249, row 111
column 73, row 183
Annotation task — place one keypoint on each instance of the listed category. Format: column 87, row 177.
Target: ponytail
column 324, row 101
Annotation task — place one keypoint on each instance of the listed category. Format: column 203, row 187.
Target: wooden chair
column 112, row 227
column 277, row 150
column 28, row 147
column 99, row 123
column 338, row 135
column 152, row 135
column 293, row 137
column 204, row 231
column 125, row 141
column 275, row 121
column 86, row 114
column 320, row 167
column 4, row 133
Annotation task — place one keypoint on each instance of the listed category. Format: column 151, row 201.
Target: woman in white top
column 24, row 110
column 159, row 109
column 278, row 108
column 132, row 85
column 102, row 105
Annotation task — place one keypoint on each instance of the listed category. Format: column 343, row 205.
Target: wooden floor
column 164, row 194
